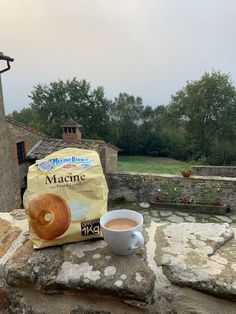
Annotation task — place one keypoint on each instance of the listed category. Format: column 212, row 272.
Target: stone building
column 23, row 138
column 71, row 137
column 9, row 195
column 16, row 140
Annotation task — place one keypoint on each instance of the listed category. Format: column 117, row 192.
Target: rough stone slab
column 29, row 266
column 13, row 234
column 190, row 254
column 88, row 266
column 92, row 266
column 8, row 234
column 29, row 301
column 82, row 266
column 186, row 301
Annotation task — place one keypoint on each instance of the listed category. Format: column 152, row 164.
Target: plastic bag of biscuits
column 66, row 196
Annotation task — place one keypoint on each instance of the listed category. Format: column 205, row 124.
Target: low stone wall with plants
column 162, row 189
column 221, row 171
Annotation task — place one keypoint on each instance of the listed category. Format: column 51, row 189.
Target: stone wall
column 9, row 176
column 20, row 132
column 108, row 157
column 146, row 187
column 11, row 173
column 111, row 159
column 221, row 171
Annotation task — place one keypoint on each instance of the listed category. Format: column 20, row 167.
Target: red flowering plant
column 218, row 202
column 158, row 198
column 184, row 200
column 187, row 200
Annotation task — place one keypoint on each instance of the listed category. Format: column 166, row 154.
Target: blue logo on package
column 46, row 165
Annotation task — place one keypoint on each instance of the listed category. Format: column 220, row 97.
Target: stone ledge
column 196, row 255
column 166, row 175
column 220, row 171
column 81, row 266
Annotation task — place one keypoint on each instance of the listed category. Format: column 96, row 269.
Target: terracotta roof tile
column 48, row 146
column 26, row 127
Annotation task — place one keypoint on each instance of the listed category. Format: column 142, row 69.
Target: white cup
column 123, row 242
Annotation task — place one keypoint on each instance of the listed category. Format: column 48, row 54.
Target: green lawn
column 152, row 164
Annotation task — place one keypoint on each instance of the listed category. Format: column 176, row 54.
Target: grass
column 152, row 164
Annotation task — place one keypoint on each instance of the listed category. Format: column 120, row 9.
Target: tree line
column 199, row 123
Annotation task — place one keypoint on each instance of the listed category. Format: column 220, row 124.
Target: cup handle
column 138, row 240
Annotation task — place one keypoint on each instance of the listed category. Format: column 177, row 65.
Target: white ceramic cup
column 123, row 242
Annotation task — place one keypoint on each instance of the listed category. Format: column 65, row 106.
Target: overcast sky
column 147, row 48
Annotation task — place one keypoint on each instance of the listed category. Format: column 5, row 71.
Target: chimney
column 71, row 131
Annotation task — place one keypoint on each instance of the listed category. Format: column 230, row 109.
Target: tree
column 206, row 109
column 125, row 115
column 26, row 116
column 55, row 103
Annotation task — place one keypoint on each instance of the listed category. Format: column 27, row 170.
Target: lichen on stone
column 109, row 271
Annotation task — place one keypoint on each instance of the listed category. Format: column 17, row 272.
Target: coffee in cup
column 121, row 224
column 122, row 230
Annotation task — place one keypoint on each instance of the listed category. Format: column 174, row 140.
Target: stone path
column 177, row 217
column 164, row 215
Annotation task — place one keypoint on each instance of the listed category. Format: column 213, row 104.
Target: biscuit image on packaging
column 49, row 216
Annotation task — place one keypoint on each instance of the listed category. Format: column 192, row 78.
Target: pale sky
column 147, row 48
